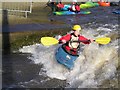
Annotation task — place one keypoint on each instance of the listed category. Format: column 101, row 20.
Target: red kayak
column 104, row 3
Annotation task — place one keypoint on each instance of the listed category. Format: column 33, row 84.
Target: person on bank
column 71, row 42
column 52, row 4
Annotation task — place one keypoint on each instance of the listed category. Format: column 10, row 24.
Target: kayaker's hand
column 62, row 41
column 91, row 40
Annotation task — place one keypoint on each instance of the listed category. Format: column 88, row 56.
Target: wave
column 94, row 65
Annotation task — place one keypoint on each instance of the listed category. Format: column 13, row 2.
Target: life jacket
column 60, row 5
column 74, row 41
column 77, row 7
column 73, row 45
column 73, row 8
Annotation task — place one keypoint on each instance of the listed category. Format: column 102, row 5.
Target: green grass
column 20, row 39
column 39, row 15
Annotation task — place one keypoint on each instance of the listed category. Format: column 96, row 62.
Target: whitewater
column 95, row 64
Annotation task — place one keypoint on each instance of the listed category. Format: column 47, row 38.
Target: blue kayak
column 64, row 58
column 70, row 12
column 117, row 11
column 66, row 7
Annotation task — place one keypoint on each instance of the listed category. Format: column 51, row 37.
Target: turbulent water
column 96, row 63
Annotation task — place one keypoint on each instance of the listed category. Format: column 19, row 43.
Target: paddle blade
column 104, row 40
column 47, row 41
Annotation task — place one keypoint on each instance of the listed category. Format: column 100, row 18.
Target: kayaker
column 71, row 42
column 60, row 5
column 75, row 7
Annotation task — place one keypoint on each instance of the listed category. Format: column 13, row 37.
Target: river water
column 35, row 66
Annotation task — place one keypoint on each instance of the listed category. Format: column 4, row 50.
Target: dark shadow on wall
column 5, row 33
column 7, row 78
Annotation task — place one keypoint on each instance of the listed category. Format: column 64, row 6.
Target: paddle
column 47, row 41
column 103, row 40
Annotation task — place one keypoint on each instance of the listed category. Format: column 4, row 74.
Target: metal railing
column 24, row 7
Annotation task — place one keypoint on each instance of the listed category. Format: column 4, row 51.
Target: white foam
column 94, row 65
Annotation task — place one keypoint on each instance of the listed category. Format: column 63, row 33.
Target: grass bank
column 20, row 39
column 40, row 14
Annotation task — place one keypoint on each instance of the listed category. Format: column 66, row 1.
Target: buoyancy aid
column 73, row 45
column 73, row 8
column 77, row 7
column 71, row 40
column 60, row 5
column 74, row 41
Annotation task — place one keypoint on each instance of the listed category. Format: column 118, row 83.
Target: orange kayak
column 104, row 3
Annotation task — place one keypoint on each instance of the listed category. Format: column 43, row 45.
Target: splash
column 98, row 64
column 94, row 65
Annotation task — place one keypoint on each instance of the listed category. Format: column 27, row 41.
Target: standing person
column 52, row 4
column 71, row 42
